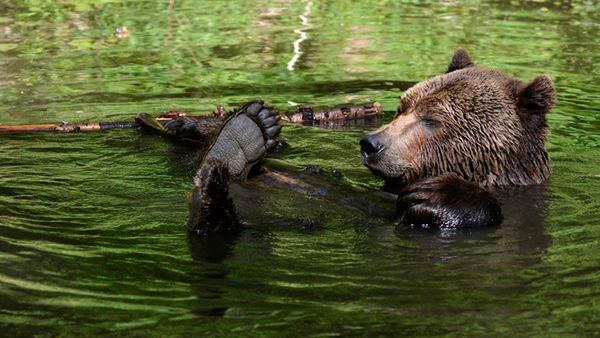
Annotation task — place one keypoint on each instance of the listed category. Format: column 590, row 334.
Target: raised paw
column 246, row 137
column 267, row 119
column 447, row 201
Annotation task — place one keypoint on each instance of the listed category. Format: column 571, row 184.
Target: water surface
column 91, row 225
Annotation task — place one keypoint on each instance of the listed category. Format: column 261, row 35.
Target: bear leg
column 245, row 138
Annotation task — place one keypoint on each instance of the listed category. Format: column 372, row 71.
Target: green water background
column 91, row 225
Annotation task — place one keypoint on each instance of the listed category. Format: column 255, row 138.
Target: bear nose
column 371, row 145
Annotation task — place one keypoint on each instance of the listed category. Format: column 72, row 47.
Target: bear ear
column 460, row 60
column 536, row 97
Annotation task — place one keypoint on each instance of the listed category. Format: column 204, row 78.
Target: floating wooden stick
column 303, row 115
column 66, row 127
column 352, row 112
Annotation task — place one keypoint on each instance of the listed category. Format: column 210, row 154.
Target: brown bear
column 453, row 137
column 458, row 133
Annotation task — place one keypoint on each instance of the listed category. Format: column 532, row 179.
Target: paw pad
column 267, row 119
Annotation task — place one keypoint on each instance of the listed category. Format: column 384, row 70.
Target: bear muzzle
column 371, row 147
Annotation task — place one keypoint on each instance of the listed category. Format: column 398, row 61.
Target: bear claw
column 254, row 108
column 270, row 121
column 263, row 114
column 273, row 131
column 270, row 144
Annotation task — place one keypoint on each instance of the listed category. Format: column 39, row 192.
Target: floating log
column 66, row 127
column 305, row 114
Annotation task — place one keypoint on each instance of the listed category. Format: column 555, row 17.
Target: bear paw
column 246, row 137
column 447, row 201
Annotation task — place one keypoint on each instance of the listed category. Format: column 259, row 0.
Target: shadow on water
column 212, row 249
column 210, row 252
column 525, row 218
column 521, row 237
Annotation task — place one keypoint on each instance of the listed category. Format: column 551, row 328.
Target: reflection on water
column 303, row 35
column 91, row 225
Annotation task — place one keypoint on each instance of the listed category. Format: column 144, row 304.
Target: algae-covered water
column 91, row 224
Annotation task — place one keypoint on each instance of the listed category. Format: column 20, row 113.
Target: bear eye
column 430, row 123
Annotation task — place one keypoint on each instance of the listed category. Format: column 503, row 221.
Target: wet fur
column 470, row 128
column 488, row 129
column 211, row 209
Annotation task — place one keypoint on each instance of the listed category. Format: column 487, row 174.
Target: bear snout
column 371, row 146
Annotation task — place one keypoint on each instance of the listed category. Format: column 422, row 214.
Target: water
column 91, row 225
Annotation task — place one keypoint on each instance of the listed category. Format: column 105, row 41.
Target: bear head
column 477, row 123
